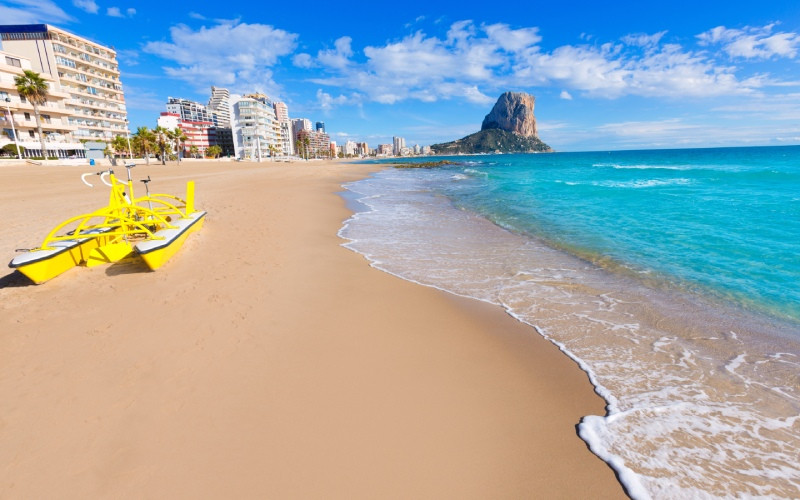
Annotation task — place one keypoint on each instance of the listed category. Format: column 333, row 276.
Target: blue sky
column 626, row 75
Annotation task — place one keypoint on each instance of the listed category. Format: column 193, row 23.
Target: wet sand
column 265, row 360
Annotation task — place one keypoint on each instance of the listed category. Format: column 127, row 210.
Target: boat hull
column 43, row 265
column 156, row 252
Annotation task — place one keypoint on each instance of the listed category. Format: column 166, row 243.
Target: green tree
column 273, row 150
column 162, row 141
column 33, row 88
column 11, row 149
column 214, row 151
column 119, row 145
column 193, row 151
column 144, row 138
column 180, row 140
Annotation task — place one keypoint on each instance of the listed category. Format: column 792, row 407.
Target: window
column 13, row 61
column 46, row 118
column 3, row 96
column 28, row 117
column 30, row 132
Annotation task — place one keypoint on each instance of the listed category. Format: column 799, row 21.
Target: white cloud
column 426, row 68
column 117, row 12
column 565, row 95
column 339, row 57
column 34, row 12
column 327, row 102
column 89, row 6
column 195, row 15
column 752, row 42
column 643, row 39
column 235, row 54
column 472, row 60
column 303, row 60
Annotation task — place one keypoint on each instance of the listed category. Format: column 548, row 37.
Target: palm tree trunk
column 39, row 129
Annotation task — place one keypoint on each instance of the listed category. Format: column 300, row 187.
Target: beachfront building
column 219, row 106
column 398, row 143
column 320, row 127
column 286, row 140
column 194, row 120
column 385, row 150
column 86, row 71
column 314, row 144
column 198, row 134
column 18, row 121
column 299, row 124
column 254, row 126
column 188, row 110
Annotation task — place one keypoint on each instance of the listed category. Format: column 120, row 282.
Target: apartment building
column 191, row 111
column 18, row 121
column 220, row 107
column 86, row 71
column 398, row 144
column 314, row 144
column 255, row 127
column 200, row 134
column 286, row 135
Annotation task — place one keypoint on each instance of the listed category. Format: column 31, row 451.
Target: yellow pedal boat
column 153, row 227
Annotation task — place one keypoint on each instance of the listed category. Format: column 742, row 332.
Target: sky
column 606, row 75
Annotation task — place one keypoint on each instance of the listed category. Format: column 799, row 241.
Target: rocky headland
column 510, row 127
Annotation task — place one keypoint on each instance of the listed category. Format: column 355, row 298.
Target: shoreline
column 287, row 367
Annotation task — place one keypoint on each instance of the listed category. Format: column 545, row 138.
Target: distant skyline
column 627, row 75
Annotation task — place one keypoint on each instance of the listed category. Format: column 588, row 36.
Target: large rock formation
column 513, row 112
column 509, row 128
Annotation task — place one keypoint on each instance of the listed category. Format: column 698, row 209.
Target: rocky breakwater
column 510, row 127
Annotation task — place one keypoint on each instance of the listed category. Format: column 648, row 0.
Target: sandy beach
column 267, row 361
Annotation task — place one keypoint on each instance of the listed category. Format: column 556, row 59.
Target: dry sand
column 267, row 361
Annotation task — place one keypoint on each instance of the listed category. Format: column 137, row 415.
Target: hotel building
column 398, row 144
column 220, row 107
column 286, row 137
column 193, row 119
column 255, row 127
column 86, row 71
column 18, row 121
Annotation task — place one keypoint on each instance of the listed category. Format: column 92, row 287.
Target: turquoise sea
column 671, row 276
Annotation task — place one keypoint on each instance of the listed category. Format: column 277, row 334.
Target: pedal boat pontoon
column 154, row 227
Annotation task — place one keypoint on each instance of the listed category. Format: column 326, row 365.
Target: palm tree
column 143, row 138
column 33, row 88
column 272, row 150
column 193, row 150
column 162, row 139
column 119, row 145
column 180, row 140
column 214, row 151
column 306, row 144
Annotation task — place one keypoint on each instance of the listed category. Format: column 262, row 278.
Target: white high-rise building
column 18, row 121
column 254, row 127
column 220, row 107
column 285, row 124
column 398, row 144
column 86, row 70
column 188, row 110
